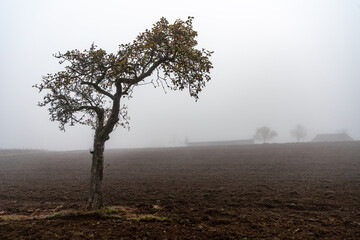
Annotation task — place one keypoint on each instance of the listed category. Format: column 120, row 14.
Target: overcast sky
column 276, row 63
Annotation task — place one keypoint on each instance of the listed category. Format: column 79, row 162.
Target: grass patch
column 149, row 218
column 114, row 212
column 77, row 233
column 104, row 213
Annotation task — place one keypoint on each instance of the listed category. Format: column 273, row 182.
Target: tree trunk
column 96, row 176
column 101, row 136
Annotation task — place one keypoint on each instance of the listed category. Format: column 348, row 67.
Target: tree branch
column 99, row 89
column 149, row 71
column 71, row 109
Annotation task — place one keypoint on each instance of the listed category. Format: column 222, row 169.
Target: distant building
column 221, row 143
column 336, row 137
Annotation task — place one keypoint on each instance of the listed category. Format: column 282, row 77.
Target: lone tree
column 299, row 132
column 93, row 83
column 264, row 134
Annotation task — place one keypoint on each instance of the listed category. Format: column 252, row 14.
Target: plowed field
column 268, row 191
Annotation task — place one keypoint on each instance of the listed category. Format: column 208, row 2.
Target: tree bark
column 101, row 136
column 95, row 201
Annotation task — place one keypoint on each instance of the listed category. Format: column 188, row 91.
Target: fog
column 276, row 64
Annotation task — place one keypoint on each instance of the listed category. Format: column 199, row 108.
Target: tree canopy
column 94, row 79
column 299, row 132
column 264, row 134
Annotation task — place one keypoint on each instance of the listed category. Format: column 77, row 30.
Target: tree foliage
column 264, row 134
column 299, row 132
column 93, row 80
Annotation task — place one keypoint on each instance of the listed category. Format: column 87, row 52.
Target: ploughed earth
column 267, row 191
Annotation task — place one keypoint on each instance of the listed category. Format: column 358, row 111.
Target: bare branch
column 99, row 89
column 149, row 71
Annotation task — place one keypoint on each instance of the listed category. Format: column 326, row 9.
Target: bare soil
column 268, row 191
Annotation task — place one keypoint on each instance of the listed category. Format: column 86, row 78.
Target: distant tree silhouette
column 264, row 134
column 299, row 132
column 90, row 88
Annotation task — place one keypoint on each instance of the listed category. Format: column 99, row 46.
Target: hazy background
column 277, row 63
